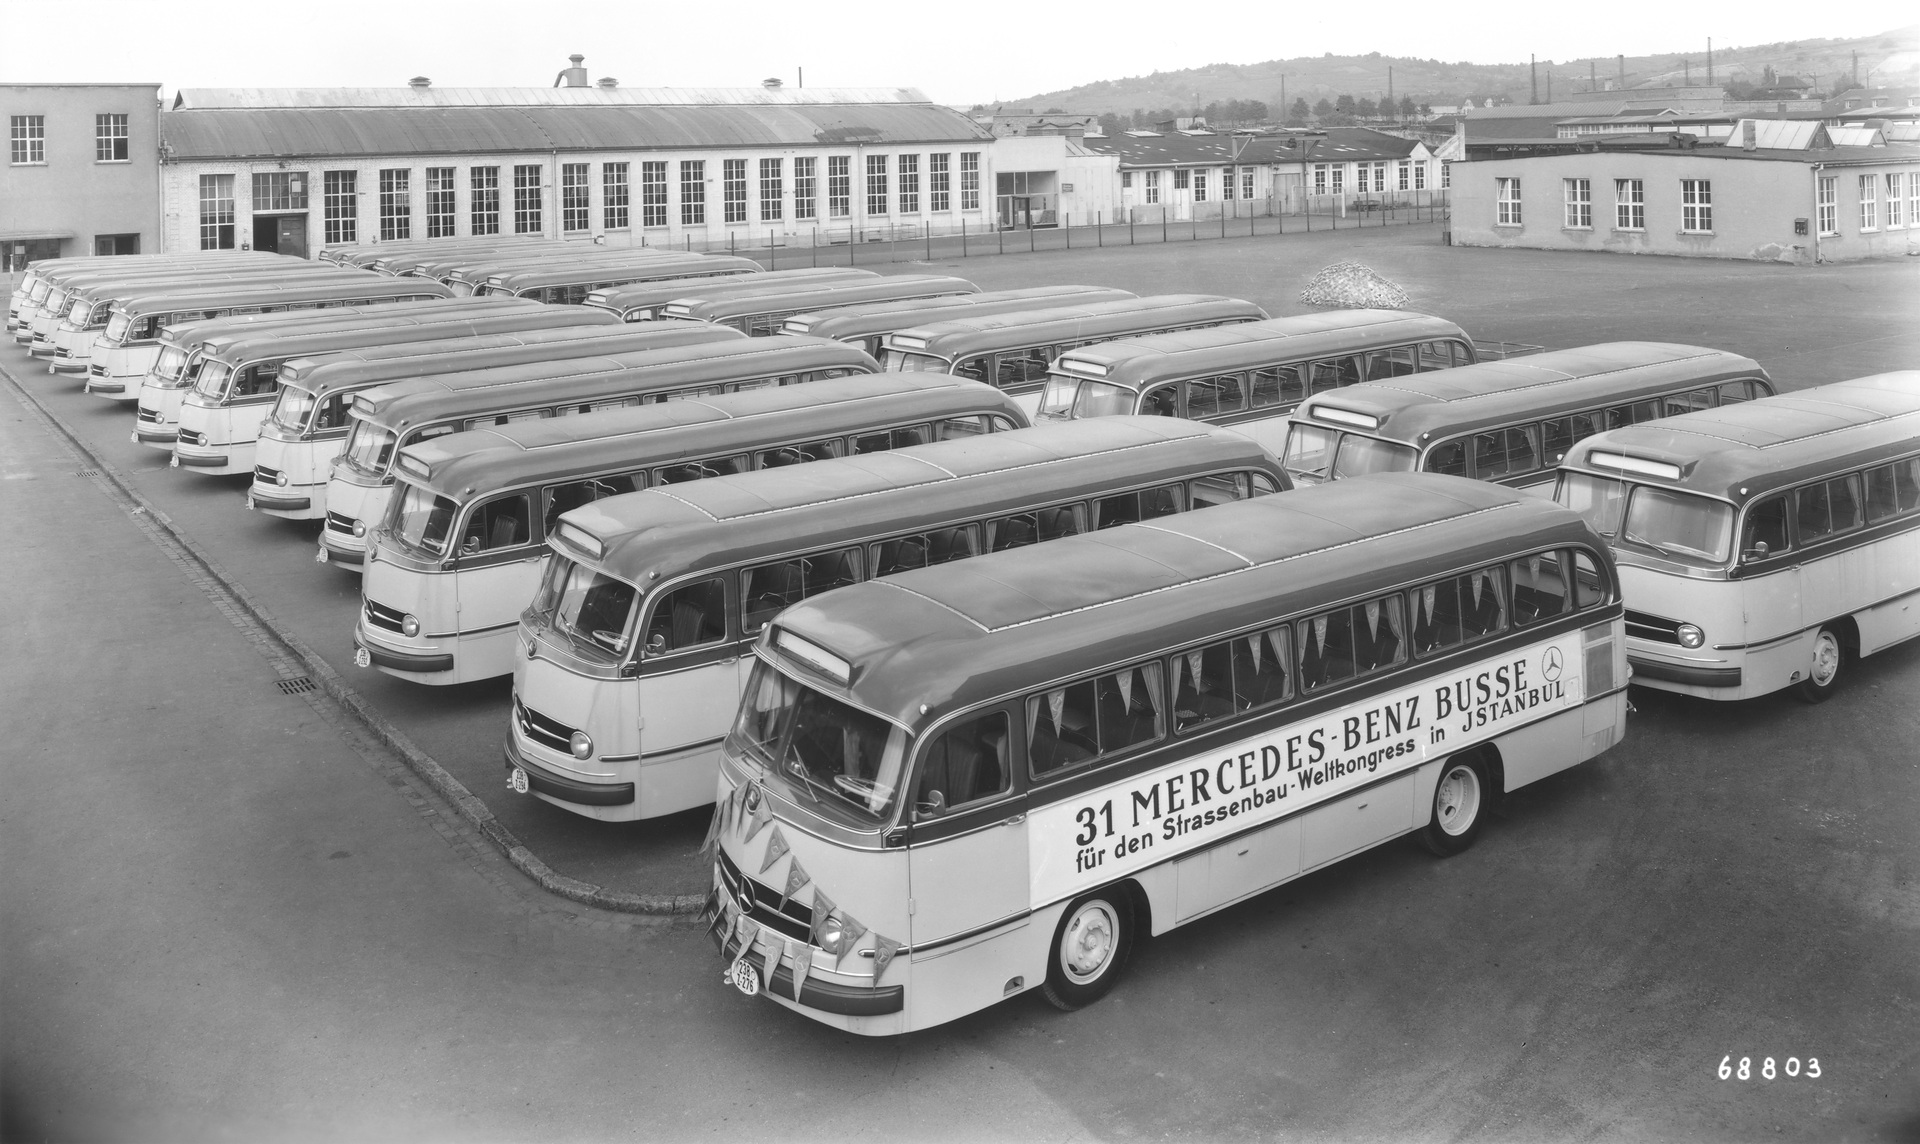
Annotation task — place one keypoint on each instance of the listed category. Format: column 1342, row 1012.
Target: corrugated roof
column 1335, row 145
column 203, row 98
column 237, row 133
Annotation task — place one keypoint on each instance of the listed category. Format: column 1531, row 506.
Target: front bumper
column 544, row 781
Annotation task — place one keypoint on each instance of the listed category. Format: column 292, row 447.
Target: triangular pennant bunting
column 776, row 848
column 801, row 955
column 854, row 931
column 823, row 908
column 1372, row 608
column 1253, row 646
column 762, row 814
column 883, row 950
column 713, row 832
column 1056, row 703
column 796, row 878
column 770, row 960
column 1126, row 690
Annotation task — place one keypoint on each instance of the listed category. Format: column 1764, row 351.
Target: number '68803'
column 1767, row 1071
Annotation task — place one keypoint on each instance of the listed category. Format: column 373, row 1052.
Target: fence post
column 1100, row 228
column 1029, row 234
column 929, row 242
column 853, row 244
column 963, row 238
column 1130, row 238
column 770, row 248
column 1066, row 222
column 1000, row 233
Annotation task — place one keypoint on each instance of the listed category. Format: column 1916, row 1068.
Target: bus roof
column 655, row 266
column 362, row 285
column 62, row 269
column 746, row 302
column 844, row 322
column 954, row 338
column 396, row 262
column 1470, row 397
column 1142, row 361
column 477, row 391
column 480, row 267
column 306, row 341
column 436, row 309
column 355, row 369
column 677, row 529
column 1744, row 452
column 975, row 630
column 655, row 294
column 482, row 461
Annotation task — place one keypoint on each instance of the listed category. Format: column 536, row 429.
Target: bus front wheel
column 1092, row 943
column 1823, row 673
column 1459, row 804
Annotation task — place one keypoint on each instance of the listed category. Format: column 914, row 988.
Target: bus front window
column 212, row 381
column 369, row 448
column 291, row 409
column 1359, row 455
column 1098, row 399
column 1679, row 524
column 421, row 520
column 1599, row 499
column 78, row 313
column 118, row 325
column 1056, row 400
column 821, row 744
column 1309, row 456
column 169, row 365
column 592, row 609
column 900, row 361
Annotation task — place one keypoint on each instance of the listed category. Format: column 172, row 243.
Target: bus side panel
column 1237, row 868
column 968, row 976
column 1894, row 571
column 1270, row 433
column 1554, row 744
column 1344, row 826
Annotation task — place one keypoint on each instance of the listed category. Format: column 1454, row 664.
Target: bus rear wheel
column 1459, row 805
column 1823, row 673
column 1091, row 944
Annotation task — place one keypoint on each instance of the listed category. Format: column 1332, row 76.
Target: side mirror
column 932, row 806
column 1758, row 551
column 469, row 546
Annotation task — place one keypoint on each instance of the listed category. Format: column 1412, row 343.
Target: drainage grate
column 295, row 686
column 88, row 473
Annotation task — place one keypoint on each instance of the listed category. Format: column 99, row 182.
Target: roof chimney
column 575, row 76
column 419, row 83
column 771, row 83
column 608, row 83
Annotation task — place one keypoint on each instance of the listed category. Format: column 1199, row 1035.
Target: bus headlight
column 359, row 529
column 281, row 480
column 409, row 626
column 581, row 746
column 1691, row 636
column 831, row 935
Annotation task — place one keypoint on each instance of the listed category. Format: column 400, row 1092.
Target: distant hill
column 1890, row 58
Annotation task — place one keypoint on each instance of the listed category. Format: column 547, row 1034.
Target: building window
column 1826, row 204
column 1508, row 203
column 1913, row 198
column 1246, row 180
column 653, row 194
column 1420, row 175
column 733, row 189
column 939, row 183
column 839, row 186
column 1379, row 177
column 485, row 205
column 876, row 184
column 526, row 199
column 1126, row 180
column 804, row 189
column 771, row 190
column 440, row 206
column 1406, row 174
column 1320, row 178
column 1629, row 205
column 1446, row 174
column 1182, row 179
column 1153, row 186
column 216, row 212
column 1869, row 202
column 1696, row 206
column 969, row 180
column 909, row 184
column 280, row 191
column 340, row 205
column 1199, row 186
column 693, row 192
column 1579, row 196
column 613, row 196
column 27, row 136
column 1896, row 218
column 1339, row 172
column 576, row 210
column 396, row 205
column 110, row 138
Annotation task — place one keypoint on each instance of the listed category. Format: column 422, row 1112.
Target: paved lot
column 227, row 914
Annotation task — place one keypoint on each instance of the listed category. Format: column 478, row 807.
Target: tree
column 1366, row 109
column 1255, row 111
column 1426, row 111
column 1111, row 124
column 1323, row 108
column 1343, row 104
column 1300, row 110
column 1406, row 107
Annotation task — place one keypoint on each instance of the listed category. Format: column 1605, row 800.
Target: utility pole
column 1709, row 61
column 1623, row 71
column 1593, row 75
column 1533, row 79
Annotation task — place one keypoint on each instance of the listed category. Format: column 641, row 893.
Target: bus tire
column 1090, row 946
column 1459, row 806
column 1823, row 671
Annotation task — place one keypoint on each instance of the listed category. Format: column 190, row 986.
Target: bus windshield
column 1679, row 524
column 167, row 367
column 290, row 409
column 1315, row 454
column 901, row 361
column 117, row 326
column 82, row 308
column 592, row 609
column 420, row 520
column 212, row 381
column 821, row 744
column 1069, row 397
column 369, row 447
column 1601, row 500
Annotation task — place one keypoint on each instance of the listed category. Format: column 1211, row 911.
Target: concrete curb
column 465, row 802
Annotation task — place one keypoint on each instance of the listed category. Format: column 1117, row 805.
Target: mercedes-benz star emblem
column 1551, row 664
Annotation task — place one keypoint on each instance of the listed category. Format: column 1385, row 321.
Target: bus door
column 691, row 681
column 497, row 560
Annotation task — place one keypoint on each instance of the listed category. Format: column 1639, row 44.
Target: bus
column 218, row 421
column 569, row 285
column 39, row 278
column 400, row 263
column 84, row 300
column 759, row 314
column 472, row 275
column 88, row 308
column 866, row 325
column 645, row 301
column 1014, row 351
column 1509, row 421
column 435, row 612
column 1248, row 375
column 954, row 785
column 368, row 256
column 308, row 426
column 127, row 348
column 1762, row 547
column 629, row 664
column 401, row 413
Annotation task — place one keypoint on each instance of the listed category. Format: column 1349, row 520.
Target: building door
column 116, row 244
column 291, row 239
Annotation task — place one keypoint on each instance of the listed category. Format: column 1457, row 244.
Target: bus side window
column 959, row 428
column 1030, row 365
column 1220, row 488
column 1067, row 520
column 830, row 570
column 1436, row 355
column 1766, row 524
column 1264, row 390
column 503, row 522
column 888, row 439
column 967, row 763
column 1260, row 674
column 1061, row 730
column 333, row 412
column 1589, row 583
column 1326, row 649
column 1395, row 362
column 256, row 379
column 1328, row 375
column 1203, row 684
column 936, row 547
column 977, row 368
column 1504, row 452
column 567, row 497
column 426, row 434
column 1449, row 457
column 1379, row 635
column 1539, row 587
column 1162, row 401
column 1693, row 400
column 1734, row 392
column 1827, row 508
column 1264, row 484
column 1128, row 704
column 1146, row 504
column 1003, row 424
column 765, row 590
column 1213, row 396
column 688, row 617
column 1893, row 490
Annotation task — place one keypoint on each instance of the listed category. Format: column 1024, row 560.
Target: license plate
column 517, row 779
column 744, row 976
column 134, row 437
column 362, row 658
column 173, row 462
column 249, row 502
column 320, row 557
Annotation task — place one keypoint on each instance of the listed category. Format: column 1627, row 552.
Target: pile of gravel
column 1351, row 286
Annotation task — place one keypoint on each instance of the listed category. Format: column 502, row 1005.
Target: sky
column 958, row 54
